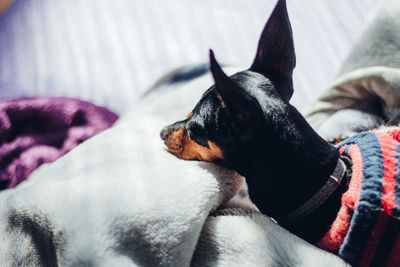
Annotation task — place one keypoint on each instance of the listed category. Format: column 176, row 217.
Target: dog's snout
column 164, row 133
column 167, row 130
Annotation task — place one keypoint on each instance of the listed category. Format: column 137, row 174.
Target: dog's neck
column 293, row 164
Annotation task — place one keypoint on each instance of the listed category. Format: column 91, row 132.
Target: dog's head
column 240, row 114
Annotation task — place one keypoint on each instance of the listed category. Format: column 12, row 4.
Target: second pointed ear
column 239, row 104
column 275, row 57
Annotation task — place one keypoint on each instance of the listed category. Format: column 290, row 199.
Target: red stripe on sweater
column 333, row 239
column 394, row 257
column 388, row 198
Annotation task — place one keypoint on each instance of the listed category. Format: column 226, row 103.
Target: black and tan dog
column 345, row 197
column 245, row 121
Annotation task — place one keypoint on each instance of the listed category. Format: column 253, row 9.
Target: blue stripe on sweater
column 393, row 225
column 369, row 202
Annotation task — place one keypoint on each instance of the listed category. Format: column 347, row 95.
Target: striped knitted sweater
column 366, row 230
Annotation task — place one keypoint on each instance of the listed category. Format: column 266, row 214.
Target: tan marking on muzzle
column 179, row 144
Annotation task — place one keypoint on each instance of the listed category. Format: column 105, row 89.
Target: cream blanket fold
column 366, row 92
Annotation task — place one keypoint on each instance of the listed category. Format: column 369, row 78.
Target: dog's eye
column 199, row 140
column 194, row 129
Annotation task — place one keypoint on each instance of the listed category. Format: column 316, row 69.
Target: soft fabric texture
column 366, row 92
column 120, row 199
column 34, row 131
column 108, row 53
column 366, row 231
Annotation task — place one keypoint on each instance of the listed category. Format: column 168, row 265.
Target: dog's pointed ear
column 232, row 96
column 275, row 56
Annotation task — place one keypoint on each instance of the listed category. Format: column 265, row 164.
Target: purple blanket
column 37, row 130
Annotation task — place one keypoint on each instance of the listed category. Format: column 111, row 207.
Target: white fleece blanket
column 366, row 92
column 120, row 199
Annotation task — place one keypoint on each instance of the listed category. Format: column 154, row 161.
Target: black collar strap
column 319, row 198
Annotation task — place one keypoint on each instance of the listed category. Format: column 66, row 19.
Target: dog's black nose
column 167, row 130
column 164, row 133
